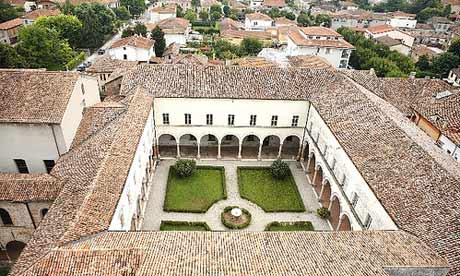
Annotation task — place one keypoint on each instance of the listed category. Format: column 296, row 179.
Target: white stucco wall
column 395, row 34
column 403, row 23
column 257, row 25
column 157, row 17
column 132, row 53
column 180, row 39
column 450, row 147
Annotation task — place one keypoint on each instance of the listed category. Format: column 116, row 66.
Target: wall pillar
column 259, row 155
column 239, row 150
column 339, row 223
column 198, row 156
column 218, row 151
column 321, row 193
column 299, row 152
column 307, row 171
column 302, row 151
column 178, row 150
column 314, row 178
column 279, row 151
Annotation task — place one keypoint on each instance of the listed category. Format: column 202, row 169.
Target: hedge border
column 287, row 223
column 230, row 225
column 184, row 223
column 224, row 187
column 290, row 176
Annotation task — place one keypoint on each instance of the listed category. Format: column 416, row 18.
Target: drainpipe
column 30, row 214
column 55, row 140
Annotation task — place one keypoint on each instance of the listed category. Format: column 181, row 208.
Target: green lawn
column 183, row 226
column 4, row 271
column 290, row 226
column 272, row 195
column 196, row 193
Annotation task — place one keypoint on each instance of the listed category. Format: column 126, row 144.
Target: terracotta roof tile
column 380, row 29
column 106, row 64
column 11, row 24
column 164, row 9
column 258, row 16
column 33, row 15
column 134, row 41
column 274, row 3
column 245, row 34
column 29, row 187
column 170, row 25
column 300, row 40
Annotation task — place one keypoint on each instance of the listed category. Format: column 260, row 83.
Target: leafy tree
column 97, row 20
column 251, row 46
column 226, row 50
column 190, row 15
column 184, row 167
column 43, row 48
column 67, row 8
column 427, row 13
column 7, row 12
column 9, row 58
column 135, row 7
column 179, row 11
column 196, row 3
column 122, row 13
column 127, row 32
column 204, row 15
column 423, row 63
column 140, row 29
column 215, row 8
column 454, row 47
column 67, row 26
column 442, row 64
column 273, row 12
column 323, row 20
column 279, row 169
column 215, row 16
column 227, row 11
column 304, row 20
column 290, row 15
column 160, row 42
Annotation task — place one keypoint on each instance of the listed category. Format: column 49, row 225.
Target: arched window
column 44, row 212
column 5, row 216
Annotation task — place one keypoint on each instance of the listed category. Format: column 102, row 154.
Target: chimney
column 412, row 75
column 372, row 71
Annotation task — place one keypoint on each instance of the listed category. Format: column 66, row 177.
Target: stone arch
column 188, row 146
column 270, row 147
column 334, row 208
column 344, row 223
column 167, row 145
column 318, row 180
column 290, row 148
column 229, row 146
column 250, row 147
column 5, row 217
column 14, row 249
column 209, row 144
column 326, row 194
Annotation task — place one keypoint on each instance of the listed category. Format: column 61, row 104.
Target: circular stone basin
column 234, row 217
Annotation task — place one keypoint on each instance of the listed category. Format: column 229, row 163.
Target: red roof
column 380, row 29
column 11, row 24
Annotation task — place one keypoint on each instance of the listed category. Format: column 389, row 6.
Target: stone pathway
column 154, row 213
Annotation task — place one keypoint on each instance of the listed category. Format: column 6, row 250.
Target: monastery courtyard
column 292, row 211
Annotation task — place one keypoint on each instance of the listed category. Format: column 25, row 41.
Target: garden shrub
column 323, row 213
column 279, row 169
column 185, row 168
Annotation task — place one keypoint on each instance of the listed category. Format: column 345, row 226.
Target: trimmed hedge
column 323, row 213
column 230, row 225
column 191, row 224
column 290, row 226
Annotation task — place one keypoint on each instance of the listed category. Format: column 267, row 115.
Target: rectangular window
column 21, row 165
column 368, row 221
column 165, row 118
column 295, row 120
column 188, row 118
column 209, row 119
column 274, row 120
column 231, row 119
column 49, row 164
column 252, row 121
column 354, row 199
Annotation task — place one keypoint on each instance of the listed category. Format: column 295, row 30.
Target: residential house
column 394, row 44
column 236, row 36
column 133, row 48
column 257, row 22
column 46, row 4
column 207, row 4
column 9, row 31
column 284, row 22
column 39, row 124
column 422, row 50
column 269, row 4
column 454, row 77
column 357, row 19
column 440, row 24
column 162, row 12
column 320, row 41
column 176, row 30
column 387, row 30
column 399, row 19
column 255, row 4
column 230, row 24
column 454, row 4
column 31, row 17
column 26, row 5
column 107, row 3
column 184, row 4
column 348, row 5
column 237, row 5
column 425, row 34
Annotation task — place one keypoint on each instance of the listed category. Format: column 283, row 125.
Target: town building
column 236, row 37
column 425, row 34
column 394, row 33
column 394, row 44
column 440, row 24
column 400, row 19
column 422, row 50
column 9, row 31
column 39, row 124
column 133, row 48
column 389, row 209
column 270, row 4
column 184, row 4
column 257, row 22
column 207, row 4
column 255, row 4
column 357, row 19
column 176, row 30
column 454, row 5
column 31, row 17
column 348, row 5
column 162, row 12
column 322, row 42
column 454, row 77
column 107, row 3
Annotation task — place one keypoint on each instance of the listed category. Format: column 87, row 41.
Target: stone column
column 302, row 153
column 178, row 150
column 307, row 171
column 259, row 155
column 299, row 152
column 240, row 145
column 218, row 151
column 321, row 193
column 198, row 156
column 279, row 151
column 339, row 223
column 314, row 178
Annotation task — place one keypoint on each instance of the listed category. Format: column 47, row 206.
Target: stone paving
column 154, row 213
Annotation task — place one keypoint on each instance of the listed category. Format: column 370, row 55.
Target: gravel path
column 154, row 213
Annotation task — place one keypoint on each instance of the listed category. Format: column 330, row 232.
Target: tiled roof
column 348, row 4
column 274, row 3
column 41, row 12
column 106, row 64
column 11, row 24
column 401, row 14
column 311, row 62
column 79, row 2
column 421, row 50
column 170, row 25
column 284, row 21
column 253, row 62
column 258, row 16
column 230, row 24
column 388, row 41
column 190, row 59
column 171, row 8
column 29, row 187
column 134, row 41
column 209, row 3
column 300, row 40
column 31, row 96
column 239, row 253
column 245, row 34
column 380, row 29
column 321, row 31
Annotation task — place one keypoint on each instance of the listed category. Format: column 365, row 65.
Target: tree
column 9, row 57
column 135, row 7
column 184, row 167
column 196, row 3
column 215, row 8
column 127, row 32
column 423, row 63
column 43, row 48
column 215, row 16
column 68, row 27
column 160, row 42
column 290, row 15
column 122, row 13
column 190, row 15
column 454, row 47
column 7, row 12
column 279, row 169
column 304, row 20
column 204, row 15
column 323, row 20
column 227, row 11
column 251, row 46
column 226, row 50
column 442, row 64
column 97, row 20
column 179, row 11
column 140, row 29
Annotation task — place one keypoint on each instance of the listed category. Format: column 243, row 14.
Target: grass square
column 290, row 226
column 183, row 226
column 257, row 185
column 196, row 193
